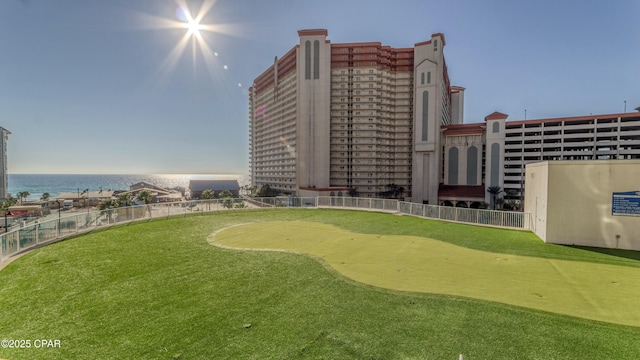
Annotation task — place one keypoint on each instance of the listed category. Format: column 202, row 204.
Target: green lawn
column 159, row 290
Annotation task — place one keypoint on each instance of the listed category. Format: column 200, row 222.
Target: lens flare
column 197, row 33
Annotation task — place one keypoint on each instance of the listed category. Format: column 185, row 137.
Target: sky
column 105, row 87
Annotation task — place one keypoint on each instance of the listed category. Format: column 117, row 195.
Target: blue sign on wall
column 626, row 203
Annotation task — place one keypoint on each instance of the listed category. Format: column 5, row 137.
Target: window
column 425, row 115
column 472, row 166
column 429, row 77
column 422, row 78
column 316, row 59
column 495, row 164
column 307, row 60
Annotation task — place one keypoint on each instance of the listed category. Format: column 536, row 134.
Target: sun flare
column 193, row 28
column 194, row 33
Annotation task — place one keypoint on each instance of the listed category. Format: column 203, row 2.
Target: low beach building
column 196, row 187
column 85, row 198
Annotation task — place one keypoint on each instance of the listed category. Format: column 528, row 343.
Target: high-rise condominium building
column 4, row 183
column 327, row 117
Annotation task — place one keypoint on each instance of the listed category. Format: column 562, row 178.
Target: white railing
column 59, row 226
column 56, row 226
column 509, row 219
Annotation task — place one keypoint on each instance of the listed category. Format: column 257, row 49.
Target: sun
column 194, row 28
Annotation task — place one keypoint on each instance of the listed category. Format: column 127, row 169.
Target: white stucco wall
column 570, row 202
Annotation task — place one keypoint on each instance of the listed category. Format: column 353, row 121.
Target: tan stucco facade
column 571, row 202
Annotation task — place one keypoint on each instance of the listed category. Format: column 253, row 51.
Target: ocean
column 54, row 184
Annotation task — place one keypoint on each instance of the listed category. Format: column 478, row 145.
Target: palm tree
column 124, row 199
column 228, row 199
column 144, row 195
column 494, row 191
column 23, row 195
column 45, row 196
column 107, row 204
column 9, row 201
column 208, row 194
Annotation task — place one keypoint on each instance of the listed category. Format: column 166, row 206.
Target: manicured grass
column 158, row 290
column 410, row 263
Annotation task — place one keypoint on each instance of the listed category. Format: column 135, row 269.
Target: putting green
column 601, row 292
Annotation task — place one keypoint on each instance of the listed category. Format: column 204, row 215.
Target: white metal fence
column 509, row 219
column 56, row 226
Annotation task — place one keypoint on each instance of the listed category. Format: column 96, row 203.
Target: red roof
column 496, row 116
column 463, row 129
column 311, row 32
column 462, row 191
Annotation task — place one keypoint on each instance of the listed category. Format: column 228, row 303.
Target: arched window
column 495, row 164
column 496, row 127
column 316, row 59
column 472, row 166
column 307, row 60
column 453, row 166
column 425, row 115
